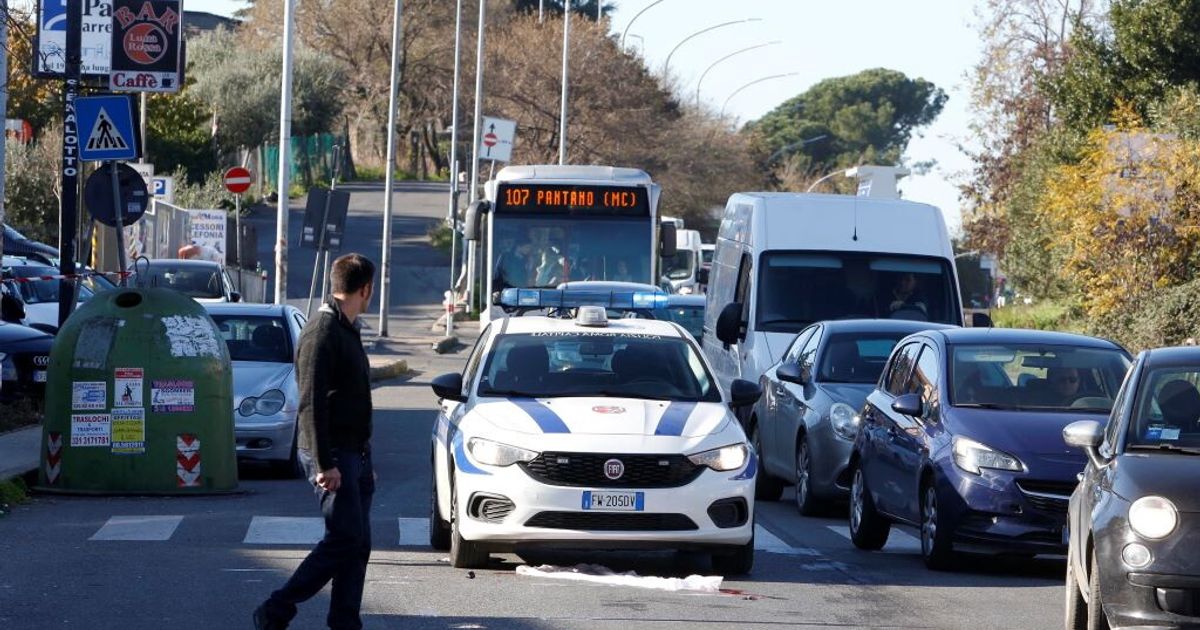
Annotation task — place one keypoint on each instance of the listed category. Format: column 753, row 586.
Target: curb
column 389, row 370
column 445, row 344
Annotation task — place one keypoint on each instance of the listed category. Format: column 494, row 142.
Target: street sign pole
column 120, row 228
column 68, row 209
column 385, row 283
column 473, row 194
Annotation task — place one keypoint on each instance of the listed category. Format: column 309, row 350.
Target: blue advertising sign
column 106, row 129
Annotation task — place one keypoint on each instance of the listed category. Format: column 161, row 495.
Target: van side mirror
column 473, row 222
column 981, row 320
column 448, row 387
column 908, row 405
column 792, row 373
column 667, row 246
column 729, row 324
column 743, row 393
column 702, row 275
column 1087, row 435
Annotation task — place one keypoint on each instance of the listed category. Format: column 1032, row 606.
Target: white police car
column 590, row 433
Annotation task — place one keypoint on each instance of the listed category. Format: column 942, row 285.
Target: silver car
column 262, row 341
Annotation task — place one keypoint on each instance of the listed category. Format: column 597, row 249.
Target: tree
column 583, row 8
column 35, row 100
column 32, row 185
column 179, row 134
column 865, row 117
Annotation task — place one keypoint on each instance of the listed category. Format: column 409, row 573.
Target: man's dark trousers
column 343, row 553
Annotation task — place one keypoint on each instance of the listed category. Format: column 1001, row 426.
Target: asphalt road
column 206, row 562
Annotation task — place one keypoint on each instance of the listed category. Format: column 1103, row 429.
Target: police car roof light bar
column 530, row 299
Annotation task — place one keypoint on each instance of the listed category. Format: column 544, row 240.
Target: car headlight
column 844, row 420
column 972, row 456
column 1153, row 517
column 730, row 457
column 497, row 454
column 268, row 404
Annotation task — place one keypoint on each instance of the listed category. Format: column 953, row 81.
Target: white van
column 786, row 260
column 681, row 272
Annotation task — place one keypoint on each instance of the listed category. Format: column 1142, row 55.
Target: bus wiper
column 1170, row 448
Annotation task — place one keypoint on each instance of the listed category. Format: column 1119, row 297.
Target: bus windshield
column 799, row 288
column 543, row 252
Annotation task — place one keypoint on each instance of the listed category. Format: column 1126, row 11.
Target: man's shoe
column 263, row 621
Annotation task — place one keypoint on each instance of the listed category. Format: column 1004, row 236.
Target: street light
column 389, row 187
column 285, row 136
column 794, row 145
column 755, row 82
column 635, row 17
column 667, row 63
column 840, row 171
column 729, row 56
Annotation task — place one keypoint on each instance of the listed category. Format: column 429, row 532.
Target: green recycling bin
column 139, row 399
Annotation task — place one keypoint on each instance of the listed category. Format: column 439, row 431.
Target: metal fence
column 312, row 159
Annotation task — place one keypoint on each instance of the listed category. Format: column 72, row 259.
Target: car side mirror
column 743, row 393
column 792, row 373
column 667, row 246
column 908, row 405
column 234, row 296
column 1087, row 435
column 702, row 276
column 473, row 222
column 729, row 324
column 981, row 320
column 449, row 387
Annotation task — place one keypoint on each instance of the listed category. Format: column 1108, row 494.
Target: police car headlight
column 730, row 457
column 1153, row 517
column 844, row 421
column 497, row 454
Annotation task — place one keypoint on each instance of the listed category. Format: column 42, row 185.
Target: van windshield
column 796, row 289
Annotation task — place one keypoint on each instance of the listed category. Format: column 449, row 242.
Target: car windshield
column 1054, row 378
column 797, row 289
column 255, row 338
column 194, row 281
column 690, row 317
column 679, row 266
column 857, row 357
column 706, row 256
column 543, row 252
column 41, row 291
column 1167, row 412
column 597, row 364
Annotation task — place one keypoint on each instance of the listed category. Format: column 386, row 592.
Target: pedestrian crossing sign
column 106, row 126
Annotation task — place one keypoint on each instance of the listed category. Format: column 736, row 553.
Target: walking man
column 335, row 448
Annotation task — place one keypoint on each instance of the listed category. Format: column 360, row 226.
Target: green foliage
column 440, row 237
column 31, row 185
column 179, row 134
column 584, row 8
column 369, row 173
column 208, row 193
column 1167, row 318
column 867, row 117
column 1045, row 315
column 12, row 492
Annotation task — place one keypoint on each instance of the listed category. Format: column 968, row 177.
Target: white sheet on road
column 597, row 574
column 142, row 528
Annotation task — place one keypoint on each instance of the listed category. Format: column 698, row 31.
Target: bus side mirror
column 473, row 223
column 729, row 324
column 666, row 237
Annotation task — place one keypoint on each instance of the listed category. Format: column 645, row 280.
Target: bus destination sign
column 572, row 199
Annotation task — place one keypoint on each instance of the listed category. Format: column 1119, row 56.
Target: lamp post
column 794, row 145
column 667, row 63
column 385, row 272
column 452, row 215
column 823, row 178
column 473, row 195
column 566, row 54
column 285, row 136
column 752, row 83
column 727, row 57
column 634, row 19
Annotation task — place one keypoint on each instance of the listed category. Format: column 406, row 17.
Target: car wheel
column 737, row 560
column 439, row 528
column 1096, row 619
column 464, row 554
column 806, row 502
column 766, row 487
column 869, row 529
column 936, row 548
column 1076, row 608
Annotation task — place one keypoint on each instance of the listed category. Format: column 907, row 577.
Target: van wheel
column 766, row 487
column 464, row 554
column 1076, row 608
column 869, row 529
column 439, row 528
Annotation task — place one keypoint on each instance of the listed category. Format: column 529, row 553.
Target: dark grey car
column 811, row 400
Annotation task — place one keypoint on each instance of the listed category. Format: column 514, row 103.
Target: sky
column 817, row 39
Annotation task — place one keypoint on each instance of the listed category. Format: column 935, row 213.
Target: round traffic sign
column 490, row 140
column 237, row 180
column 98, row 195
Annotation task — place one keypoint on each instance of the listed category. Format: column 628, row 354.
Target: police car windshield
column 550, row 365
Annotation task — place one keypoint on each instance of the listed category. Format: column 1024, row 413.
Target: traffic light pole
column 68, row 209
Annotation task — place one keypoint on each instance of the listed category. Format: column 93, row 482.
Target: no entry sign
column 237, row 180
column 496, row 142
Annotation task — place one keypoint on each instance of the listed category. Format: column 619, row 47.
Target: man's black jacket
column 335, row 386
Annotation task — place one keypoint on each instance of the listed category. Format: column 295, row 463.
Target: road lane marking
column 142, row 528
column 285, row 530
column 414, row 532
column 899, row 541
column 764, row 540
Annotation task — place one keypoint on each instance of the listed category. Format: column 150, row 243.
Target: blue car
column 962, row 439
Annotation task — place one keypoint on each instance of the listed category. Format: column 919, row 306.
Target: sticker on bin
column 127, row 387
column 603, row 501
column 172, row 396
column 91, row 429
column 128, row 431
column 53, row 456
column 187, row 459
column 86, row 395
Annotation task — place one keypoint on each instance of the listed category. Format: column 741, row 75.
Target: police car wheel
column 738, row 560
column 439, row 528
column 464, row 554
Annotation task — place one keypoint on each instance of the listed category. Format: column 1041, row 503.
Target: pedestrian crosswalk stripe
column 284, row 530
column 414, row 532
column 899, row 541
column 140, row 528
column 764, row 540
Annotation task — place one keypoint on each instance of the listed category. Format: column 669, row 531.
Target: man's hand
column 330, row 479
